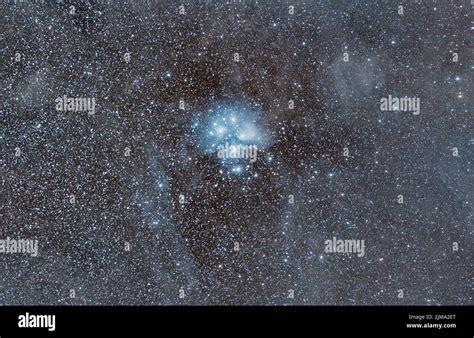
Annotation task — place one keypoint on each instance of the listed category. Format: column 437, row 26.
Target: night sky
column 132, row 205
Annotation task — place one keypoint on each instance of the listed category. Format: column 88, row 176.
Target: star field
column 132, row 205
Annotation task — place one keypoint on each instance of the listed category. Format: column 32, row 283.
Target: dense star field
column 132, row 203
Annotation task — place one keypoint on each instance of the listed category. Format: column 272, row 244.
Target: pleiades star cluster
column 236, row 152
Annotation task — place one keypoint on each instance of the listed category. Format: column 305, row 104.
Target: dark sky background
column 190, row 245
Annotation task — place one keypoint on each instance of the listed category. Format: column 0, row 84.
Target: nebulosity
column 232, row 123
column 236, row 153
